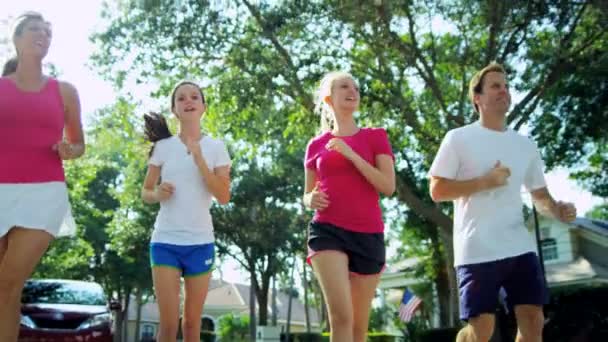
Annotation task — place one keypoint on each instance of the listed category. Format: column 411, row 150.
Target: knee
column 190, row 325
column 341, row 319
column 359, row 332
column 360, row 326
column 479, row 332
column 169, row 329
column 464, row 335
column 532, row 327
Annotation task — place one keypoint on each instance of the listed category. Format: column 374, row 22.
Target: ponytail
column 155, row 129
column 325, row 111
column 10, row 66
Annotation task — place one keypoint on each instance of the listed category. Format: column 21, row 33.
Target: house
column 574, row 254
column 398, row 276
column 223, row 298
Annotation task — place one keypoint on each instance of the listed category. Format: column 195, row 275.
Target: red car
column 65, row 310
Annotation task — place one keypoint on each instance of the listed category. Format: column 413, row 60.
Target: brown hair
column 22, row 20
column 155, row 125
column 476, row 84
column 155, row 129
column 181, row 84
column 10, row 66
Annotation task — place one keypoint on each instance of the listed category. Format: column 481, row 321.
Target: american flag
column 409, row 304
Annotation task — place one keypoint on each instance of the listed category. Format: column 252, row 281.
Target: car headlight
column 26, row 321
column 96, row 320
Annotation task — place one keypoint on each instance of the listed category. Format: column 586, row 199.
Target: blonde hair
column 323, row 108
column 476, row 84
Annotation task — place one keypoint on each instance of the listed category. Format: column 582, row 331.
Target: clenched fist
column 338, row 145
column 164, row 191
column 317, row 199
column 497, row 176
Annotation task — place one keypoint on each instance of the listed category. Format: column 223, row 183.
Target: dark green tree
column 258, row 228
column 413, row 59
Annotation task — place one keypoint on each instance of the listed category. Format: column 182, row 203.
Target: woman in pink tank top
column 40, row 126
column 346, row 168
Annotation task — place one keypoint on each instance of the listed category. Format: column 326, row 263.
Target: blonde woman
column 346, row 168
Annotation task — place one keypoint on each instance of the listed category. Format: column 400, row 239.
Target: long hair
column 17, row 29
column 22, row 20
column 155, row 129
column 325, row 111
column 174, row 92
column 10, row 66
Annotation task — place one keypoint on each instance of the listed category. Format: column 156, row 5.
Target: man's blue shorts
column 479, row 284
column 191, row 260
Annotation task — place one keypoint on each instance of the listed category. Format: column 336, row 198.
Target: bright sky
column 74, row 21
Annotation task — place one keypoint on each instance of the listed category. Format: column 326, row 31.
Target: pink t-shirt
column 354, row 202
column 30, row 124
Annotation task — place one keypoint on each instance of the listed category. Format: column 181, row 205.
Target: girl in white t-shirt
column 192, row 168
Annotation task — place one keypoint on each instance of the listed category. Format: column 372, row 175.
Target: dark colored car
column 65, row 310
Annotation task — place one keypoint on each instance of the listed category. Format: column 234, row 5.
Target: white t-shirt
column 489, row 225
column 184, row 218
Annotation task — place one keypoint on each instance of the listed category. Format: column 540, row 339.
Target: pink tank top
column 30, row 124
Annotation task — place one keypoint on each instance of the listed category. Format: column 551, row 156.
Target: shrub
column 234, row 328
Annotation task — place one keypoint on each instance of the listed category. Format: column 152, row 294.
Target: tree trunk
column 442, row 281
column 252, row 320
column 305, row 286
column 450, row 273
column 262, row 291
column 443, row 293
column 274, row 301
column 121, row 319
column 262, row 296
column 117, row 326
column 292, row 283
column 444, row 224
column 125, row 317
column 138, row 303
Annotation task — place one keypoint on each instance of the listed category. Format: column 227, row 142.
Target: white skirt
column 43, row 206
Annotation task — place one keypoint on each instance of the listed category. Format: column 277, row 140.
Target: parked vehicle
column 65, row 310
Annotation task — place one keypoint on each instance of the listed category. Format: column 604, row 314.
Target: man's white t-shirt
column 184, row 219
column 489, row 225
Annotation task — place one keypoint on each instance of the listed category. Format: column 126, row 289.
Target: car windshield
column 48, row 292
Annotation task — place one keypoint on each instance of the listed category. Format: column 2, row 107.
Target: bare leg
column 530, row 320
column 479, row 329
column 167, row 289
column 331, row 269
column 21, row 251
column 196, row 292
column 363, row 289
column 3, row 246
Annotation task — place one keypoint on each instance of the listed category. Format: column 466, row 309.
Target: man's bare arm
column 443, row 189
column 547, row 206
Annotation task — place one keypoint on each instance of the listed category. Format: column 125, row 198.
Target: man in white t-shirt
column 482, row 168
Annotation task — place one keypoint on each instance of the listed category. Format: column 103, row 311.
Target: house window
column 545, row 233
column 549, row 247
column 147, row 332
